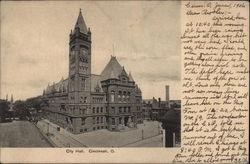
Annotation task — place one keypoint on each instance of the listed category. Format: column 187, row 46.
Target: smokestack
column 11, row 100
column 159, row 101
column 167, row 95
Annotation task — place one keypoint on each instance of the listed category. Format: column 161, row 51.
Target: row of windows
column 124, row 109
column 97, row 120
column 98, row 110
column 74, row 111
column 83, row 111
column 122, row 96
column 123, row 93
column 82, row 100
column 99, row 127
column 94, row 128
column 97, row 99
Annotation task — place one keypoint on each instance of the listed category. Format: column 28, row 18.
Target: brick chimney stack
column 167, row 96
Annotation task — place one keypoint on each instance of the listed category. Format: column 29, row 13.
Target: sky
column 35, row 43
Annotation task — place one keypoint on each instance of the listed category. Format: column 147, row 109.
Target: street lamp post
column 142, row 134
column 159, row 128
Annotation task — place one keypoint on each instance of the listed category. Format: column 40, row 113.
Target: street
column 106, row 138
column 21, row 134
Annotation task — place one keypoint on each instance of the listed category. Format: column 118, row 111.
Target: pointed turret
column 123, row 72
column 130, row 77
column 80, row 23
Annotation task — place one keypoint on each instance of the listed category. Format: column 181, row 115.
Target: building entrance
column 126, row 121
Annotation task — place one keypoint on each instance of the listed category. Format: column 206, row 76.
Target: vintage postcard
column 124, row 81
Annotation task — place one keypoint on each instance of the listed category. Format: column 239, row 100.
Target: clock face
column 83, row 58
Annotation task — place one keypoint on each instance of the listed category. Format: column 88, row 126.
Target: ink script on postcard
column 215, row 95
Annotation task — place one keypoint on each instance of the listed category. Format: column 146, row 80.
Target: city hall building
column 86, row 102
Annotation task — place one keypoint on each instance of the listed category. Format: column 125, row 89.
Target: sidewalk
column 101, row 138
column 60, row 138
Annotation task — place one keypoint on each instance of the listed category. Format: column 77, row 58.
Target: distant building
column 86, row 102
column 146, row 110
column 158, row 109
column 175, row 104
column 154, row 109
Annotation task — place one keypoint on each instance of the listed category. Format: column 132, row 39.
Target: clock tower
column 79, row 65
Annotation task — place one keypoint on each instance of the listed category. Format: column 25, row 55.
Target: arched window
column 128, row 95
column 120, row 96
column 124, row 96
column 82, row 85
column 112, row 96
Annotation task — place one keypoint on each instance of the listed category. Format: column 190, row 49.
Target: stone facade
column 84, row 101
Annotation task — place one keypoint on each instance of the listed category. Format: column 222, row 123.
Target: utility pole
column 173, row 139
column 47, row 128
column 159, row 128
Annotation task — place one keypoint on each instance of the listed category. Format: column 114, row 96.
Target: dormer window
column 128, row 95
column 97, row 88
column 124, row 96
column 124, row 79
column 119, row 95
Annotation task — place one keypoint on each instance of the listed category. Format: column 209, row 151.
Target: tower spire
column 80, row 23
column 11, row 98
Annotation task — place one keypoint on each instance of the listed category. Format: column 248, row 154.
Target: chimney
column 167, row 95
column 159, row 101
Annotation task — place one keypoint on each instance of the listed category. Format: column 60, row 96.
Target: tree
column 4, row 110
column 21, row 109
column 171, row 122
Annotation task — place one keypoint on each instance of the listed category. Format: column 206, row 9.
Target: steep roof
column 95, row 82
column 81, row 24
column 112, row 69
column 58, row 87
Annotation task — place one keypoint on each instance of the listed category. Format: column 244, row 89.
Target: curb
column 51, row 143
column 139, row 140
